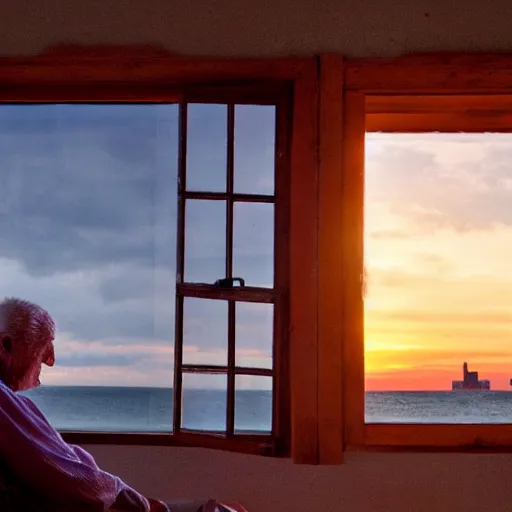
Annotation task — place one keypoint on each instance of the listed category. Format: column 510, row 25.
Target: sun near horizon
column 438, row 246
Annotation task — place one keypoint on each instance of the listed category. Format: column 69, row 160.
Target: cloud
column 459, row 182
column 75, row 199
column 88, row 229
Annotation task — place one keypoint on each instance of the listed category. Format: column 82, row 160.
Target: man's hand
column 157, row 506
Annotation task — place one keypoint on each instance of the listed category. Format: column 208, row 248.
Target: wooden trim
column 254, row 93
column 180, row 268
column 230, row 179
column 441, row 93
column 438, row 103
column 330, row 242
column 237, row 370
column 443, row 123
column 281, row 350
column 353, row 267
column 435, row 436
column 415, row 113
column 304, row 270
column 240, row 294
column 431, row 73
column 122, row 65
column 90, row 93
column 255, row 444
column 223, row 196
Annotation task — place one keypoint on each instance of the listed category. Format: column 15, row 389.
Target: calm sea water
column 125, row 409
column 131, row 409
column 439, row 407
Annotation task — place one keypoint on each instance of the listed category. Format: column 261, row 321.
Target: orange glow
column 438, row 252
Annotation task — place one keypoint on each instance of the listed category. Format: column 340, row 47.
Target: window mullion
column 180, row 269
column 230, row 412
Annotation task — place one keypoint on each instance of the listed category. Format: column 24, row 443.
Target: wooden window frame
column 309, row 425
column 276, row 439
column 441, row 92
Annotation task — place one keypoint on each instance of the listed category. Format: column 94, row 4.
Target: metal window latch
column 229, row 282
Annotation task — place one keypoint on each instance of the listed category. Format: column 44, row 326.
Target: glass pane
column 204, row 402
column 255, row 129
column 438, row 242
column 205, row 241
column 207, row 147
column 253, row 243
column 205, row 331
column 254, row 334
column 88, row 230
column 253, row 404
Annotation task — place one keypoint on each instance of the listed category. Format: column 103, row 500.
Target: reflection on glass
column 255, row 128
column 205, row 241
column 253, row 404
column 438, row 243
column 206, row 147
column 253, row 243
column 204, row 402
column 87, row 223
column 205, row 331
column 254, row 334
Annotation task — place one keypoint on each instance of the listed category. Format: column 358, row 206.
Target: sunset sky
column 438, row 238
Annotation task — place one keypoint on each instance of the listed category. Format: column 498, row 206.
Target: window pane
column 254, row 334
column 253, row 404
column 253, row 243
column 438, row 245
column 205, row 331
column 255, row 127
column 87, row 225
column 204, row 402
column 205, row 241
column 207, row 147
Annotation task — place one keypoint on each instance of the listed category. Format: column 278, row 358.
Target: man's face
column 30, row 372
column 26, row 364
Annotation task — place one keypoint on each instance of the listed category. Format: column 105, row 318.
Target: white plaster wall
column 261, row 27
column 367, row 482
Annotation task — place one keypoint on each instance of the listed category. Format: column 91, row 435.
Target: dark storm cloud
column 86, row 186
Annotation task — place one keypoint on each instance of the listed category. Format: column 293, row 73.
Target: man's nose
column 49, row 360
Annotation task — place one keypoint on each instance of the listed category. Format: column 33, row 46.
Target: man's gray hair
column 25, row 321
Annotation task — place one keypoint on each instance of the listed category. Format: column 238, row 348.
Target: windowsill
column 255, row 444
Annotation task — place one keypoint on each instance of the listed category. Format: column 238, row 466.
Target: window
column 427, row 191
column 226, row 306
column 152, row 214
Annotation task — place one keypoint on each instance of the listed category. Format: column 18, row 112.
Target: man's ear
column 6, row 343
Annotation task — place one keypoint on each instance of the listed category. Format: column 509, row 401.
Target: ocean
column 130, row 409
column 145, row 409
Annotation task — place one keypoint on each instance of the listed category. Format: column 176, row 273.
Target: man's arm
column 39, row 456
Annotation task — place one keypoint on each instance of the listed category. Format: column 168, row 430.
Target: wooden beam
column 304, row 269
column 423, row 436
column 436, row 73
column 131, row 65
column 330, row 242
column 353, row 267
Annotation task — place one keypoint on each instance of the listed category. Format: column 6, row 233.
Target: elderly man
column 38, row 469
